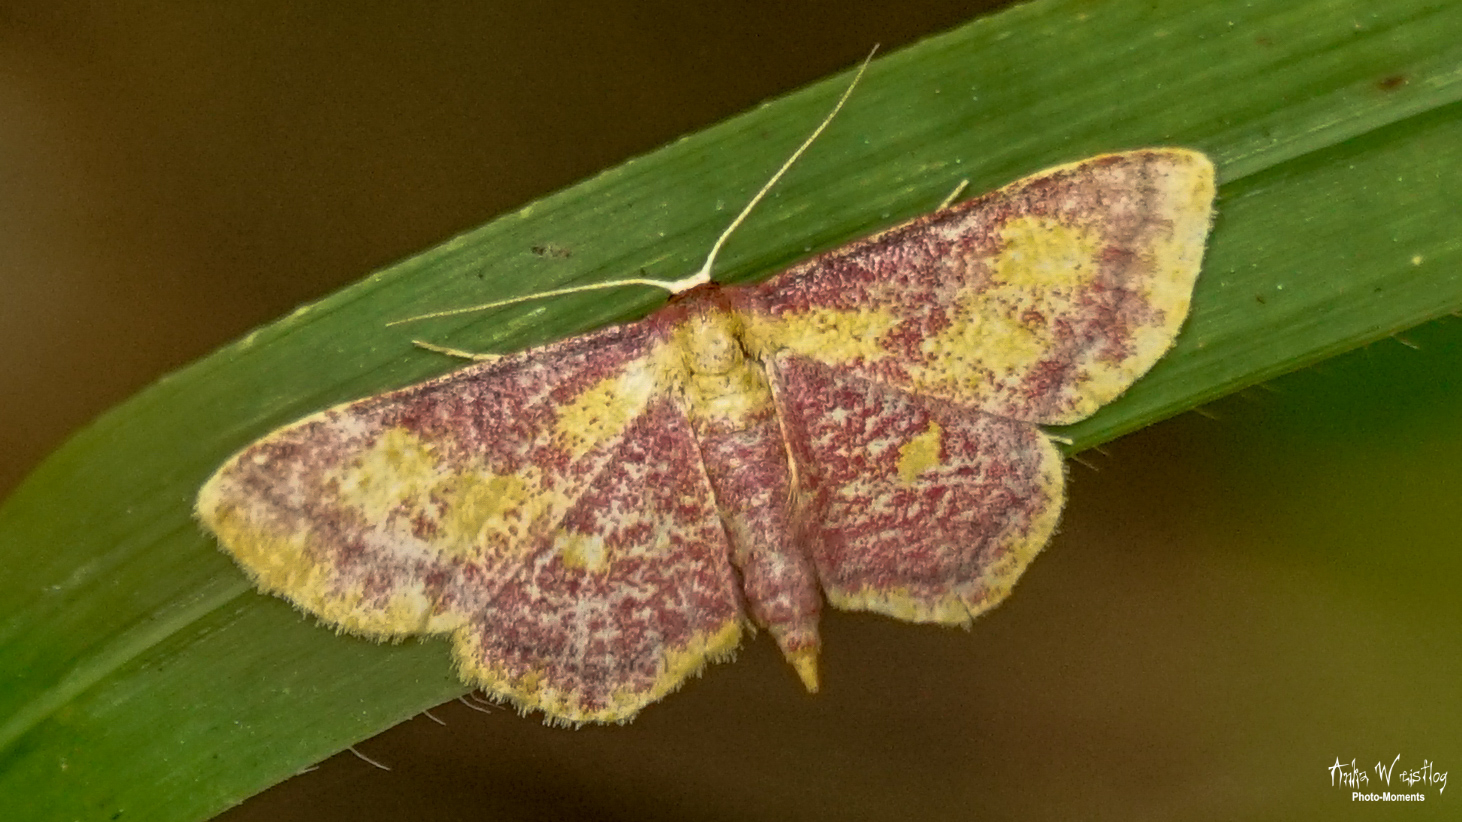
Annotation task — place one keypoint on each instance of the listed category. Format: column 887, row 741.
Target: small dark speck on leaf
column 551, row 250
column 1391, row 83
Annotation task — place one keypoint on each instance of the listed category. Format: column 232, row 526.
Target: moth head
column 710, row 343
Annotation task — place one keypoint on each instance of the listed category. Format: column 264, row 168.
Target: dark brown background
column 175, row 174
column 1232, row 604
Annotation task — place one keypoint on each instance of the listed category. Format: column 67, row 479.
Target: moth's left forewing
column 366, row 514
column 1040, row 301
column 548, row 509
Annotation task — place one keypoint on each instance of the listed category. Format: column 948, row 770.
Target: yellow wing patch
column 919, row 454
column 398, row 467
column 900, row 603
column 833, row 336
column 600, row 413
column 296, row 567
column 475, row 512
column 535, row 689
column 1041, row 253
column 998, row 331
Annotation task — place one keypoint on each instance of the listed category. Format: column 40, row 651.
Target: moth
column 592, row 521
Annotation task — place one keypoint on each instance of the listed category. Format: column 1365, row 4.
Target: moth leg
column 953, row 195
column 456, row 352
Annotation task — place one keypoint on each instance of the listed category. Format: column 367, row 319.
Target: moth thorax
column 712, row 344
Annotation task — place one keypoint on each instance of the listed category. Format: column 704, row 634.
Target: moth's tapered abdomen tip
column 804, row 662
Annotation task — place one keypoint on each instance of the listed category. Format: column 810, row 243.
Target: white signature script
column 1343, row 775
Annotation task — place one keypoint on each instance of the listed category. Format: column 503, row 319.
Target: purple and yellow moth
column 594, row 520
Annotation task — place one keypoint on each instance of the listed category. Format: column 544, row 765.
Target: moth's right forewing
column 1040, row 301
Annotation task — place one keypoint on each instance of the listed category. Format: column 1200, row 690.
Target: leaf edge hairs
column 594, row 520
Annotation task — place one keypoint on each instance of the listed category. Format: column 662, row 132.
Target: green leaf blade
column 1337, row 226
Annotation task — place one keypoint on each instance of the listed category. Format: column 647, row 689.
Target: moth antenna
column 455, row 352
column 368, row 759
column 477, row 703
column 557, row 292
column 701, row 276
column 704, row 274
